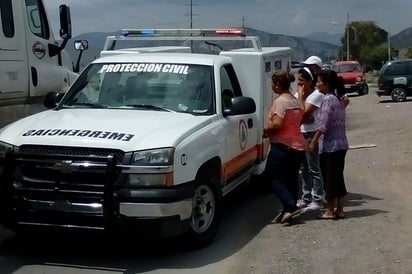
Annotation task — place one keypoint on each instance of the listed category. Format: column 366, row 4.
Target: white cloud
column 292, row 17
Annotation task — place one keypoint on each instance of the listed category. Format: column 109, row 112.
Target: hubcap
column 398, row 95
column 203, row 210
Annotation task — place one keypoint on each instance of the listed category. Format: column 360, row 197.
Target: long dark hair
column 334, row 82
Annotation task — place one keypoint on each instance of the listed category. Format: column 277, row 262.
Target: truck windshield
column 346, row 68
column 148, row 86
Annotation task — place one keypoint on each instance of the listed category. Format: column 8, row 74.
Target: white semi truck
column 144, row 136
column 32, row 62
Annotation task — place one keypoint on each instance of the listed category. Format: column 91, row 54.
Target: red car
column 353, row 76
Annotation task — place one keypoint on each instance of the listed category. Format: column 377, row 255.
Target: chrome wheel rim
column 398, row 94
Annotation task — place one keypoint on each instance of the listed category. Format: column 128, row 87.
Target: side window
column 278, row 64
column 229, row 80
column 6, row 15
column 37, row 19
column 394, row 69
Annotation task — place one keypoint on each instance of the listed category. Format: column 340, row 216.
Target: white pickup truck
column 153, row 135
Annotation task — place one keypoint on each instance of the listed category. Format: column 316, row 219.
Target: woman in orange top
column 287, row 145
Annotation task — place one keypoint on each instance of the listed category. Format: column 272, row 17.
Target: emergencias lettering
column 119, row 136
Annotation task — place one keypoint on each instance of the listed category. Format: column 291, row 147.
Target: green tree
column 408, row 53
column 364, row 36
column 375, row 57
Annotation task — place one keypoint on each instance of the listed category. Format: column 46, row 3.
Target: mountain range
column 321, row 44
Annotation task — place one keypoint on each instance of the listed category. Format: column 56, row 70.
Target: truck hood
column 122, row 129
column 351, row 75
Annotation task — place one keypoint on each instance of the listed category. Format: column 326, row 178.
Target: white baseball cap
column 313, row 60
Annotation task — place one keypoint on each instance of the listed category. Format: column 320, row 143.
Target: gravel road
column 374, row 238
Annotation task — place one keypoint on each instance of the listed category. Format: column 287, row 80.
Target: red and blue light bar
column 184, row 32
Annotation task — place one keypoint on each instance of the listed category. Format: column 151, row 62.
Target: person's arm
column 324, row 115
column 274, row 123
column 345, row 100
column 315, row 139
column 307, row 114
column 301, row 96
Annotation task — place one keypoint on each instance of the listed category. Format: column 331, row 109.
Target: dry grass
column 372, row 77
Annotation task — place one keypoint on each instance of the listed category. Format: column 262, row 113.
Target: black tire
column 398, row 94
column 206, row 208
column 365, row 90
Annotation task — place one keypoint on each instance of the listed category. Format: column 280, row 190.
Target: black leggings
column 332, row 165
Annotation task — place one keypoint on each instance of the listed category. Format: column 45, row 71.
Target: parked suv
column 353, row 76
column 395, row 79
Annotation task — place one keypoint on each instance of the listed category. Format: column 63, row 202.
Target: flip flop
column 326, row 217
column 340, row 216
column 278, row 217
column 287, row 216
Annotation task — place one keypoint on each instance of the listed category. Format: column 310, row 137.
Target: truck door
column 14, row 68
column 45, row 71
column 241, row 130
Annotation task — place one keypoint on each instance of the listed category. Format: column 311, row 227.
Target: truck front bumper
column 156, row 203
column 357, row 87
column 31, row 197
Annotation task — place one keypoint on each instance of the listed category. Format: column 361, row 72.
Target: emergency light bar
column 183, row 32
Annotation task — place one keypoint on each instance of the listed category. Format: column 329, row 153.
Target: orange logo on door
column 242, row 134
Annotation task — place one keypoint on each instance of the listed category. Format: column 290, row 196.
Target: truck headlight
column 147, row 162
column 153, row 157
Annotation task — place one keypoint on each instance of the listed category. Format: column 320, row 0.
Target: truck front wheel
column 205, row 215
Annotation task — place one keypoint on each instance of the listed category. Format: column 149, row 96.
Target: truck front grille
column 72, row 181
column 70, row 151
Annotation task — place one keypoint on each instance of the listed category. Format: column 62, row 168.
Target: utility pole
column 191, row 14
column 347, row 38
column 243, row 22
column 389, row 42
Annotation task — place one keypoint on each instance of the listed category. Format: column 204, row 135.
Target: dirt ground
column 374, row 238
column 376, row 235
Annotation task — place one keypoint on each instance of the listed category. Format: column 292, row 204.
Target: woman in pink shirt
column 287, row 145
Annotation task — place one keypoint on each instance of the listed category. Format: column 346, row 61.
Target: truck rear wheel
column 205, row 217
column 398, row 94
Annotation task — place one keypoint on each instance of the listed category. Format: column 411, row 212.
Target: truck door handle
column 250, row 123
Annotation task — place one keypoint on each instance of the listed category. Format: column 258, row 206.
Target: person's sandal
column 325, row 216
column 278, row 217
column 287, row 216
column 340, row 215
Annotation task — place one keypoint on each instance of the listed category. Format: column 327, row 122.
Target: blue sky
column 291, row 17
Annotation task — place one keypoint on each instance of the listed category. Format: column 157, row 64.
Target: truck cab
column 144, row 135
column 32, row 63
column 353, row 76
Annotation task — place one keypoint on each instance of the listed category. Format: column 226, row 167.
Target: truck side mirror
column 80, row 45
column 65, row 22
column 52, row 98
column 240, row 105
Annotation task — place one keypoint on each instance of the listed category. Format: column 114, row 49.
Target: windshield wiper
column 151, row 107
column 88, row 104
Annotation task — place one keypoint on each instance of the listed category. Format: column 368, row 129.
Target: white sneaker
column 313, row 206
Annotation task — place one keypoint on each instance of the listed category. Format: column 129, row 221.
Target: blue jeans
column 311, row 175
column 282, row 171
